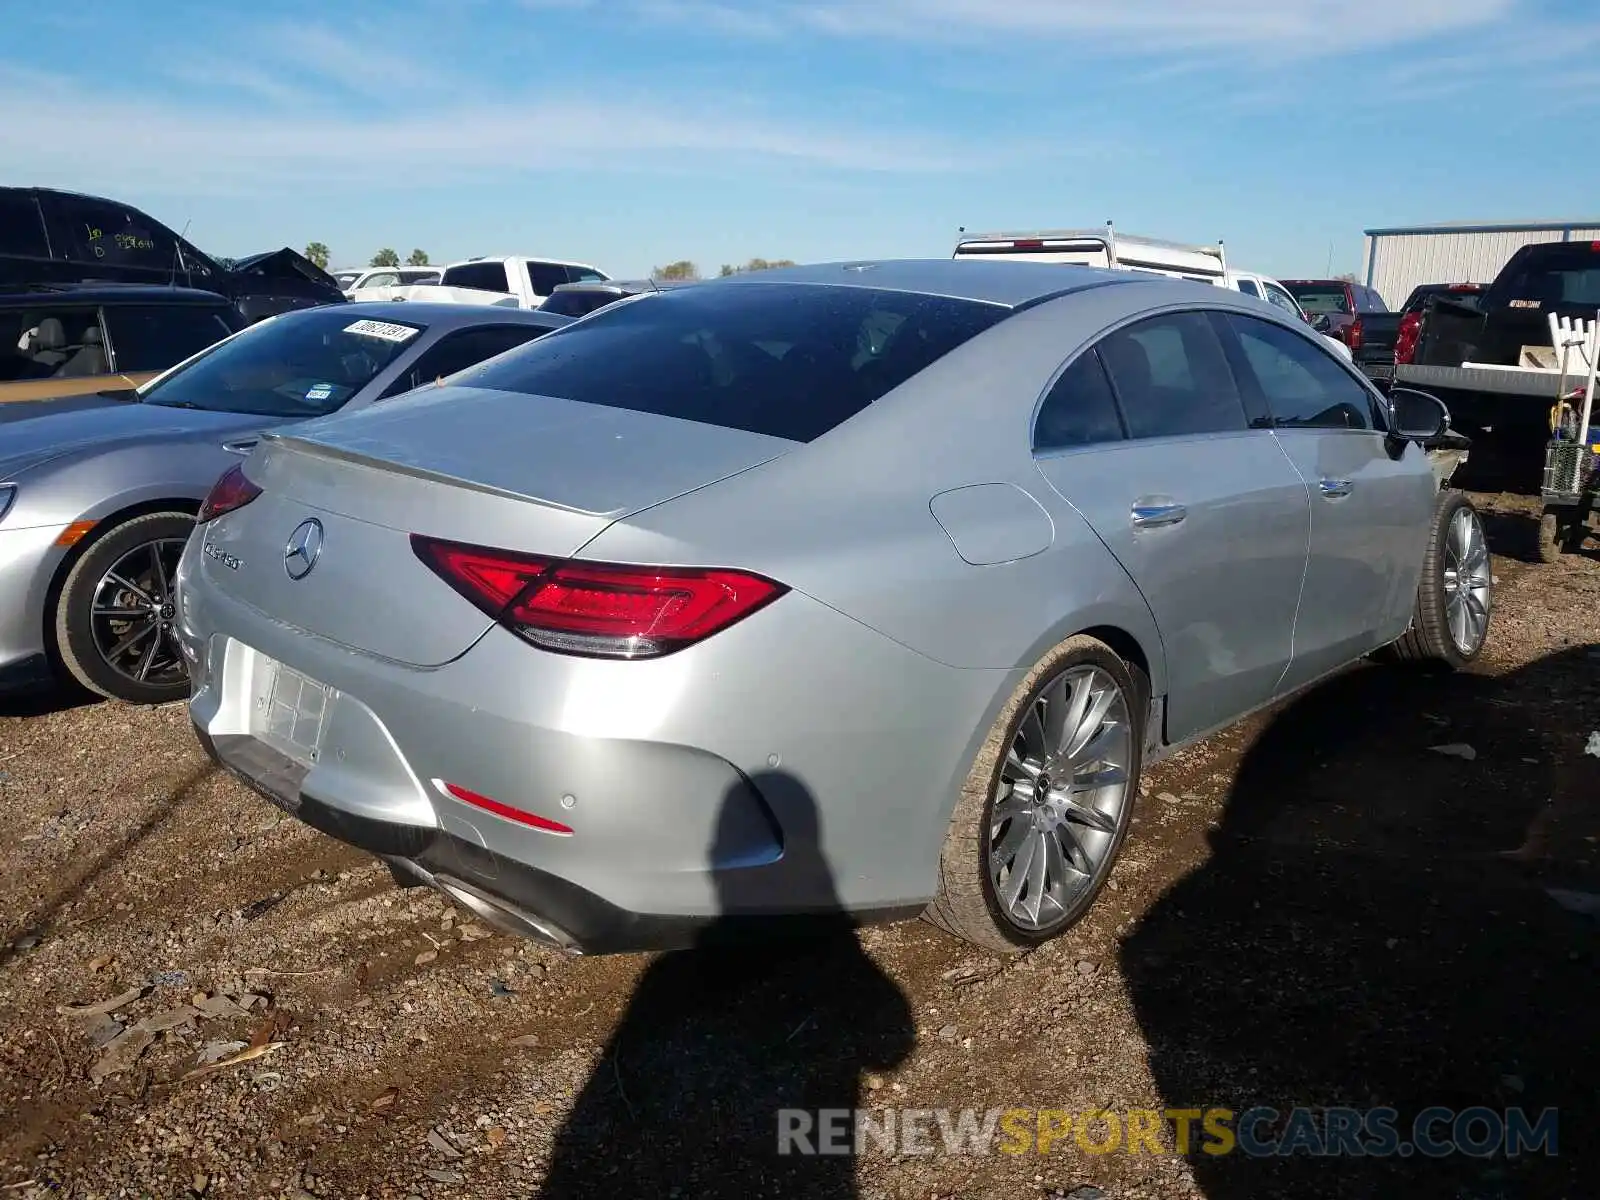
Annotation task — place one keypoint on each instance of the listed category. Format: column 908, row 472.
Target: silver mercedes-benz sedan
column 99, row 493
column 905, row 569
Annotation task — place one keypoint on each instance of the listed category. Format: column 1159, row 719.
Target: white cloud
column 1289, row 28
column 205, row 147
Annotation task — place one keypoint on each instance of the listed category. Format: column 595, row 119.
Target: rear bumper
column 796, row 766
column 523, row 901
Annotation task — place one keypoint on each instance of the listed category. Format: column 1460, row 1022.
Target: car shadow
column 719, row 1040
column 1373, row 930
column 46, row 699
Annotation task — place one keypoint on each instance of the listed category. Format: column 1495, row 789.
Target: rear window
column 1318, row 299
column 1565, row 273
column 302, row 364
column 787, row 360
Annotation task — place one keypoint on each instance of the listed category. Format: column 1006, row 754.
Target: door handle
column 1151, row 516
column 1333, row 488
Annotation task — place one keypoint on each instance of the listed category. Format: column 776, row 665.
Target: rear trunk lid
column 531, row 474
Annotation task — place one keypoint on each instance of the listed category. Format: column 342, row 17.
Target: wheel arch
column 103, row 525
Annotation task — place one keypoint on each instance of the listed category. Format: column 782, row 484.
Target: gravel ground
column 1316, row 908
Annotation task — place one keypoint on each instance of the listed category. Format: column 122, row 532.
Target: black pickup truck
column 1469, row 351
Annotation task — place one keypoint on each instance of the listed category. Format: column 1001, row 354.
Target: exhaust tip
column 506, row 918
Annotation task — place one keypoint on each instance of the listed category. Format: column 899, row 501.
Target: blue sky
column 629, row 133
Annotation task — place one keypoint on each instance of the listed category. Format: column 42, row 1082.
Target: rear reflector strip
column 532, row 820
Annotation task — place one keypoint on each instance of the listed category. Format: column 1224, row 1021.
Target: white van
column 1123, row 252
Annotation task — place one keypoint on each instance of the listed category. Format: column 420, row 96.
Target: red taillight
column 1405, row 342
column 1028, row 244
column 1352, row 335
column 603, row 610
column 231, row 490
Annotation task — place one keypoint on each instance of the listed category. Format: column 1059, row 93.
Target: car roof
column 443, row 315
column 1012, row 284
column 106, row 293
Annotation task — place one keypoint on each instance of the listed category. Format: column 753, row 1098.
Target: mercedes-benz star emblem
column 304, row 548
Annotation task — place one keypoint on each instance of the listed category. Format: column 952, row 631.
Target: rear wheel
column 1048, row 801
column 114, row 621
column 1455, row 594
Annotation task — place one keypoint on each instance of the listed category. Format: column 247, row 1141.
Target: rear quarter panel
column 847, row 519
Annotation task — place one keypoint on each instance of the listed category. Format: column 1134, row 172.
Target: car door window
column 1172, row 378
column 51, row 343
column 1276, row 295
column 1304, row 386
column 21, row 226
column 1080, row 409
column 381, row 279
column 154, row 337
column 1248, row 287
column 458, row 351
column 117, row 236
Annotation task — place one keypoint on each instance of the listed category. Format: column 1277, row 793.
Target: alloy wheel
column 1060, row 799
column 133, row 612
column 1467, row 581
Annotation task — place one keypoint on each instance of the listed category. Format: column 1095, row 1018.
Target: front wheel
column 1047, row 803
column 114, row 621
column 1455, row 594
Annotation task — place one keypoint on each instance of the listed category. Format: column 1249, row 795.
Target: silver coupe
column 901, row 569
column 99, row 493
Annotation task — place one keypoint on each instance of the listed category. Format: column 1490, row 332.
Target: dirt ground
column 1319, row 908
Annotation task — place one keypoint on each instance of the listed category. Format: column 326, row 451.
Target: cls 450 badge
column 222, row 556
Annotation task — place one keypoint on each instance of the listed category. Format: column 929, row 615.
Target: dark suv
column 78, row 339
column 48, row 236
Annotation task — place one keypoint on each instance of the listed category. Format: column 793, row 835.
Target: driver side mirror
column 1417, row 416
column 1322, row 322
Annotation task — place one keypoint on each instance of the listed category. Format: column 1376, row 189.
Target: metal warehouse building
column 1466, row 252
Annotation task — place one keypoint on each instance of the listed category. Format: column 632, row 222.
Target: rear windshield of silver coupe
column 783, row 359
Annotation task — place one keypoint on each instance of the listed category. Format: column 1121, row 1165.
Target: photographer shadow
column 761, row 1015
column 1373, row 929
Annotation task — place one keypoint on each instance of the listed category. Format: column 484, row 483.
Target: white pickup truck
column 510, row 282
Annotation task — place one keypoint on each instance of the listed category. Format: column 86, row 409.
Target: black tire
column 1552, row 535
column 1429, row 640
column 966, row 905
column 79, row 639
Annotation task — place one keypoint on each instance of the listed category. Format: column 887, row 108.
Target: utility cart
column 1572, row 456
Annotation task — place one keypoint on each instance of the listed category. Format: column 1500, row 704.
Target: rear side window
column 460, row 350
column 579, row 302
column 1303, row 385
column 584, row 275
column 786, row 360
column 489, row 276
column 1172, row 377
column 117, row 236
column 153, row 338
column 21, row 226
column 1080, row 409
column 545, row 278
column 51, row 343
column 1248, row 287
